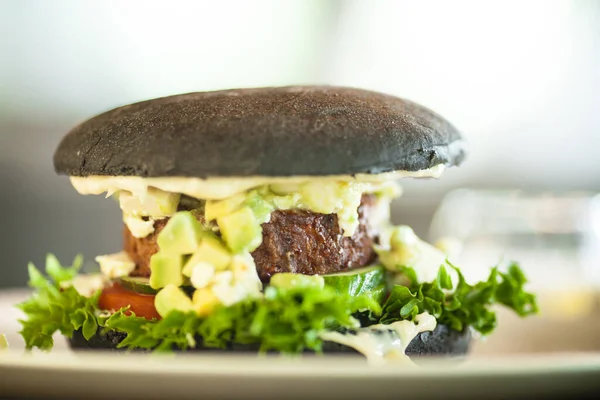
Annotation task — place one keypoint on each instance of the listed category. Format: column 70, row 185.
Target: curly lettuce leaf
column 461, row 305
column 53, row 308
column 287, row 320
column 284, row 320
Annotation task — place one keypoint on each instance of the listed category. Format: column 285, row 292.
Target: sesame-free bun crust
column 287, row 131
column 442, row 341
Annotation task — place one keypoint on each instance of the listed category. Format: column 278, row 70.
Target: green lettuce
column 284, row 320
column 56, row 307
column 461, row 305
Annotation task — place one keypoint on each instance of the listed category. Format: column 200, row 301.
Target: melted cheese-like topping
column 222, row 188
column 87, row 284
column 382, row 343
column 144, row 200
column 116, row 265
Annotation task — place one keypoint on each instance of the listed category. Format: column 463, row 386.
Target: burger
column 258, row 220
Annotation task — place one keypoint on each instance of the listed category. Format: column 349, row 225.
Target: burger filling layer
column 224, row 250
column 282, row 264
column 297, row 241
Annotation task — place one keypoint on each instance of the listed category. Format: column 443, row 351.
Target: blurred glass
column 554, row 237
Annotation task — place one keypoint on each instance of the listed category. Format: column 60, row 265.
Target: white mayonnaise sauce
column 383, row 343
column 144, row 200
column 224, row 187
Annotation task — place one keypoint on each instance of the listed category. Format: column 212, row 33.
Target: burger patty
column 296, row 241
column 308, row 243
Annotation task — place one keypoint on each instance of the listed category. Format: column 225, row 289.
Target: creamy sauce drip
column 384, row 343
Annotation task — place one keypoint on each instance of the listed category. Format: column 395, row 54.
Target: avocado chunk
column 324, row 197
column 292, row 200
column 288, row 280
column 210, row 251
column 218, row 208
column 241, row 230
column 342, row 198
column 204, row 301
column 407, row 249
column 172, row 298
column 260, row 206
column 165, row 269
column 181, row 235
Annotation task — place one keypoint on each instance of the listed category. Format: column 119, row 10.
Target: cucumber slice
column 141, row 285
column 368, row 281
column 138, row 284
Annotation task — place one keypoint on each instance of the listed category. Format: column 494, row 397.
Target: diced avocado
column 261, row 208
column 342, row 198
column 181, row 235
column 172, row 298
column 210, row 251
column 322, row 197
column 403, row 235
column 348, row 218
column 165, row 269
column 241, row 230
column 204, row 301
column 287, row 280
column 218, row 208
column 287, row 202
column 408, row 250
column 404, row 248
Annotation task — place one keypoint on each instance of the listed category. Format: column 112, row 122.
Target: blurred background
column 521, row 80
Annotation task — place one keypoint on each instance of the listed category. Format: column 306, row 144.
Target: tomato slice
column 115, row 297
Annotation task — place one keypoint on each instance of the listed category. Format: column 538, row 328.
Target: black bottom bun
column 441, row 341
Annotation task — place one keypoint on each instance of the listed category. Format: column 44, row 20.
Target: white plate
column 486, row 373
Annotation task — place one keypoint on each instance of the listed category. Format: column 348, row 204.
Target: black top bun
column 306, row 130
